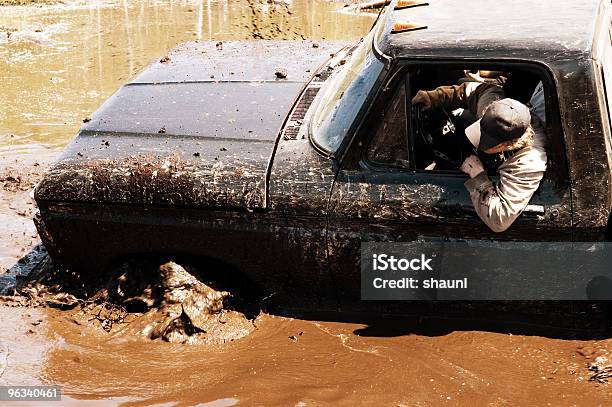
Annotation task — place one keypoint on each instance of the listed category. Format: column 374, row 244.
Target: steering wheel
column 437, row 131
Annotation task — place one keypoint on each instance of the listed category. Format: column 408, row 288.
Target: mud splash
column 135, row 300
column 181, row 309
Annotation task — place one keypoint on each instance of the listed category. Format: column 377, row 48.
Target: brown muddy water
column 57, row 65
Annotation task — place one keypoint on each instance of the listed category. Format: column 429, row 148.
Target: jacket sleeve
column 474, row 96
column 499, row 205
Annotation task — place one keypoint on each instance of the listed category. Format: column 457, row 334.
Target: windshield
column 344, row 96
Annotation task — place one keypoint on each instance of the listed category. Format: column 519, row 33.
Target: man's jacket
column 499, row 204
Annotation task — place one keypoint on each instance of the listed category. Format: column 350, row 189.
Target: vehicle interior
column 407, row 137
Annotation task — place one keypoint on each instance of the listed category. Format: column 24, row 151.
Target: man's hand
column 472, row 166
column 422, row 98
column 474, row 76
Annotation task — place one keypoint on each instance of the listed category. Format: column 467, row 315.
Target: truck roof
column 545, row 31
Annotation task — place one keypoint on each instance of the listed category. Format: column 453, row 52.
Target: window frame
column 558, row 173
column 606, row 80
column 398, row 78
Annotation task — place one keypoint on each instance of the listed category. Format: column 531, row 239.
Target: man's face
column 491, row 74
column 506, row 146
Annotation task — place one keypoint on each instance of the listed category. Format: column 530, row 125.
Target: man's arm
column 499, row 205
column 473, row 96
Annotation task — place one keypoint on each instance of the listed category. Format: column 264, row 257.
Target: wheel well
column 246, row 294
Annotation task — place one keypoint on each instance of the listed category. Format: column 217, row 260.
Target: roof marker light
column 402, row 4
column 374, row 4
column 404, row 27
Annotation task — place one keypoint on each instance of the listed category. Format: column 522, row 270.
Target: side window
column 401, row 135
column 388, row 145
column 438, row 135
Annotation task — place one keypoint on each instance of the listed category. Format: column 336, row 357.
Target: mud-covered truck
column 279, row 175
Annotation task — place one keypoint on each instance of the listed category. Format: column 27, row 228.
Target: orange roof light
column 402, row 4
column 405, row 26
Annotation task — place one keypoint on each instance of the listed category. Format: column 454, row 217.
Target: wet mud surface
column 169, row 336
column 300, row 361
column 18, row 175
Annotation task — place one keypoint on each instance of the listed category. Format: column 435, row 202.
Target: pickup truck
column 277, row 176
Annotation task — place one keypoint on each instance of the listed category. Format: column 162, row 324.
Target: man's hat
column 504, row 120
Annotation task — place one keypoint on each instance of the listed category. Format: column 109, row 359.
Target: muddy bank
column 18, row 176
column 28, row 2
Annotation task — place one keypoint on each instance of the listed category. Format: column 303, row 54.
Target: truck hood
column 197, row 128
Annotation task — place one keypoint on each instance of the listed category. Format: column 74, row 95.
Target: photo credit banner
column 486, row 270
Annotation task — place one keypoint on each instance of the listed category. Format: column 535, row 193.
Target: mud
column 301, row 361
column 28, row 2
column 139, row 299
column 144, row 334
column 18, row 174
column 155, row 179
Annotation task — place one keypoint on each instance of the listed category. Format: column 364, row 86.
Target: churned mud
column 139, row 299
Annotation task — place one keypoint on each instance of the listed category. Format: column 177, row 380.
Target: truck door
column 380, row 194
